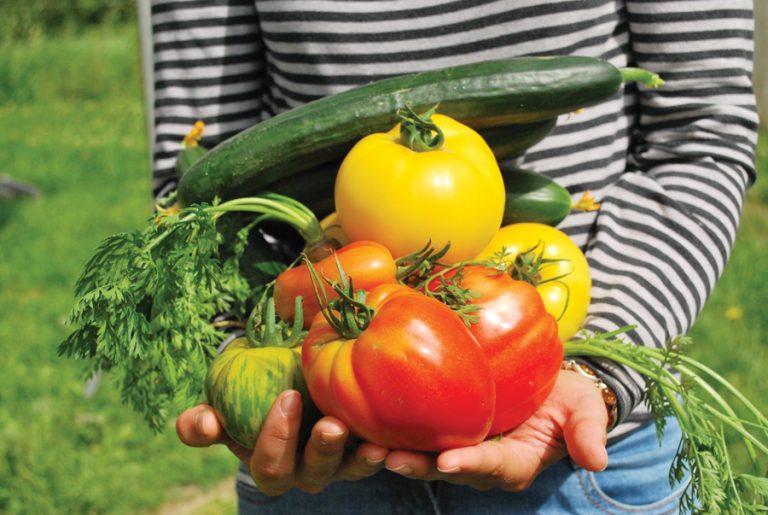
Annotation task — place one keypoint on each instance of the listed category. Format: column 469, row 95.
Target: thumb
column 584, row 429
column 198, row 426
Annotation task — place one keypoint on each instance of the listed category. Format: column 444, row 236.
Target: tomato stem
column 266, row 331
column 413, row 268
column 419, row 132
column 348, row 314
column 528, row 265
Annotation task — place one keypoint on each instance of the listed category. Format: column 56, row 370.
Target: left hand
column 572, row 421
column 276, row 463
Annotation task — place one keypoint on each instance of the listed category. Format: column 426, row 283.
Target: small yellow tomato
column 404, row 199
column 564, row 284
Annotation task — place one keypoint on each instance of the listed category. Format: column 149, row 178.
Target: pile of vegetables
column 433, row 306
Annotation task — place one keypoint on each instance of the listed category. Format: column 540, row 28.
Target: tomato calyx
column 423, row 271
column 445, row 285
column 528, row 265
column 418, row 132
column 264, row 329
column 414, row 268
column 347, row 314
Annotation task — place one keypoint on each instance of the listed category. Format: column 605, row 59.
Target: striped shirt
column 670, row 166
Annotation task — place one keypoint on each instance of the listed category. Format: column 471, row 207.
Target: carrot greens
column 146, row 301
column 706, row 406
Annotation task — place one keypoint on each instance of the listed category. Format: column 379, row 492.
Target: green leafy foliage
column 145, row 302
column 32, row 19
column 144, row 306
column 698, row 397
column 62, row 451
column 76, row 115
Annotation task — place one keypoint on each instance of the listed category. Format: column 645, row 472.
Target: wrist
column 606, row 392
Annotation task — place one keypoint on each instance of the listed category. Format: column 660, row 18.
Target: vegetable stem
column 419, row 132
column 673, row 383
column 276, row 207
column 648, row 78
column 728, row 386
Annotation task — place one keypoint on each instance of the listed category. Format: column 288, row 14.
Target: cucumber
column 509, row 141
column 187, row 157
column 314, row 187
column 532, row 197
column 486, row 94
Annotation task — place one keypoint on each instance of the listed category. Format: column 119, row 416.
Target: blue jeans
column 634, row 482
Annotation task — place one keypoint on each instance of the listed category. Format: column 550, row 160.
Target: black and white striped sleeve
column 666, row 227
column 208, row 65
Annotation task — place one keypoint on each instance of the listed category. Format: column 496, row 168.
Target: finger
column 199, row 427
column 323, row 454
column 584, row 431
column 507, row 463
column 273, row 463
column 414, row 465
column 367, row 460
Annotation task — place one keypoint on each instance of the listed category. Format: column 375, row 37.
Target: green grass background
column 72, row 123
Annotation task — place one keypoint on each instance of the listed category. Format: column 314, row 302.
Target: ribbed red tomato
column 519, row 339
column 415, row 378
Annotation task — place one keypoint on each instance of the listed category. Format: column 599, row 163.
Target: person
column 669, row 167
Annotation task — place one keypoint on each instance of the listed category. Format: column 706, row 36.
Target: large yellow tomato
column 404, row 199
column 564, row 284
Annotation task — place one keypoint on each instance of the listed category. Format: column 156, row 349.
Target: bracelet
column 609, row 397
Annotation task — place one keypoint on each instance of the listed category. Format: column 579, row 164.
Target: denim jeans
column 634, row 482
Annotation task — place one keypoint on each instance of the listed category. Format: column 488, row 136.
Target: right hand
column 275, row 463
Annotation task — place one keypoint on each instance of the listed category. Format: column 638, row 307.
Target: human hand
column 572, row 421
column 275, row 462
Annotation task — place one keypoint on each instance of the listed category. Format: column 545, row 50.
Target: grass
column 731, row 335
column 73, row 126
column 77, row 133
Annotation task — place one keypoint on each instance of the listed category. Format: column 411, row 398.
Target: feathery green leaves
column 706, row 406
column 145, row 302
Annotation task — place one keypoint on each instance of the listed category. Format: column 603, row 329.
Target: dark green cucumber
column 487, row 94
column 314, row 187
column 533, row 197
column 187, row 157
column 509, row 141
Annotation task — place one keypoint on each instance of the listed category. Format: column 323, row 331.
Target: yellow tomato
column 563, row 284
column 403, row 199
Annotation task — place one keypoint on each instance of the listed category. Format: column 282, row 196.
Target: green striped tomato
column 243, row 382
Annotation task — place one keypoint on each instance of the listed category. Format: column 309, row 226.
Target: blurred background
column 75, row 169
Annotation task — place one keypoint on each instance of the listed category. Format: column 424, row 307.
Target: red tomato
column 520, row 341
column 414, row 379
column 368, row 263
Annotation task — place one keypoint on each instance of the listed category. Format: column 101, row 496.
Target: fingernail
column 204, row 424
column 374, row 462
column 447, row 466
column 289, row 404
column 605, row 466
column 402, row 469
column 327, row 437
